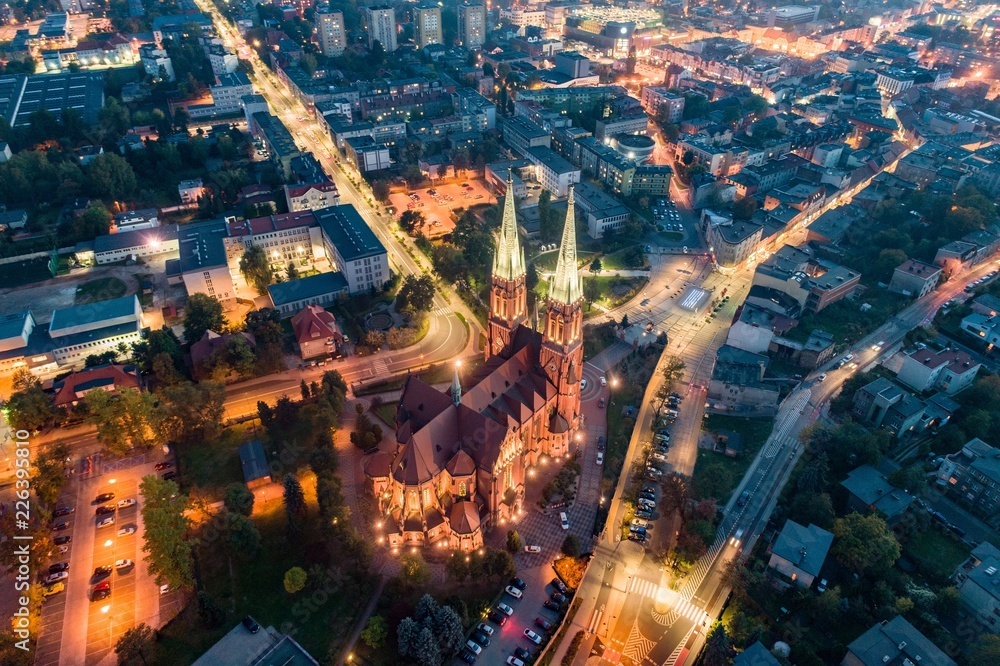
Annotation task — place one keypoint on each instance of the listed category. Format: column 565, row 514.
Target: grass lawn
column 24, row 272
column 633, row 374
column 387, row 412
column 597, row 338
column 101, row 289
column 212, row 466
column 715, row 474
column 435, row 374
column 547, row 261
column 845, row 321
column 616, row 261
column 936, row 553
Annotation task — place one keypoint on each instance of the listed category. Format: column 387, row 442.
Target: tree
column 414, row 571
column 596, row 266
column 295, row 579
column 717, row 647
column 95, row 221
column 987, row 650
column 202, row 313
column 238, row 499
column 295, row 501
column 673, row 369
column 571, row 546
column 125, row 422
column 256, row 268
column 548, row 223
column 416, row 294
column 910, row 479
column 375, row 632
column 813, row 477
column 426, row 650
column 134, row 643
column 412, row 221
column 864, row 544
column 591, row 290
column 244, row 538
column 755, row 105
column 744, row 208
column 110, row 176
column 809, row 507
column 29, row 408
column 50, row 474
column 291, row 272
column 514, row 543
column 304, row 389
column 192, row 412
column 406, row 635
column 168, row 551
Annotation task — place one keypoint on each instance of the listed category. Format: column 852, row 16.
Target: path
column 362, row 621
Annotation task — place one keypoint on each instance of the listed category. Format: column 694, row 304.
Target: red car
column 106, row 585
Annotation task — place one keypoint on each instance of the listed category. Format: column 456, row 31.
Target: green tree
column 125, row 422
column 414, row 571
column 591, row 290
column 135, row 643
column 673, row 369
column 412, row 221
column 744, row 208
column 256, row 269
column 95, row 221
column 864, row 544
column 295, row 579
column 375, row 632
column 809, row 507
column 596, row 266
column 50, row 474
column 426, row 649
column 416, row 294
column 110, row 176
column 167, row 548
column 295, row 501
column 29, row 407
column 514, row 543
column 243, row 538
column 986, row 650
column 571, row 546
column 192, row 412
column 717, row 647
column 238, row 499
column 202, row 313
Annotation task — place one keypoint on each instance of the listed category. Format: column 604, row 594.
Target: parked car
column 251, row 624
column 513, row 591
column 56, row 588
column 552, row 606
column 169, row 476
column 106, row 585
column 532, row 549
column 558, row 597
column 123, row 564
column 600, row 443
column 505, row 609
column 542, row 624
column 56, row 577
column 102, row 571
column 559, row 585
column 600, row 457
column 97, row 595
column 59, row 541
column 475, row 647
column 162, row 466
column 106, row 509
column 63, row 511
column 104, row 497
column 518, row 583
column 604, row 381
column 641, row 513
column 600, row 403
column 60, row 566
column 583, row 384
column 126, row 531
column 481, row 638
column 497, row 617
column 60, row 526
column 485, row 628
column 126, row 503
column 467, row 656
column 821, row 378
column 514, row 661
column 564, row 520
column 106, row 522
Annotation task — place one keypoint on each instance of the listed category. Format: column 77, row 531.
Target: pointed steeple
column 508, row 263
column 456, row 388
column 566, row 286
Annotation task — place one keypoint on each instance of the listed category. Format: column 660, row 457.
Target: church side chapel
column 462, row 455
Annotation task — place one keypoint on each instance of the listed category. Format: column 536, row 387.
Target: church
column 461, row 456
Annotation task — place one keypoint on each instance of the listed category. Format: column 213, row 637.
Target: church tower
column 508, row 293
column 562, row 347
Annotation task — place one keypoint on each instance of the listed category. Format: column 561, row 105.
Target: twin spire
column 509, row 263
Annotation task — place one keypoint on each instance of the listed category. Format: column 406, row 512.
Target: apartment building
column 330, row 31
column 427, row 25
column 381, row 23
column 472, row 24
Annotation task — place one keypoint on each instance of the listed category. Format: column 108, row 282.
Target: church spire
column 508, row 263
column 566, row 287
column 456, row 387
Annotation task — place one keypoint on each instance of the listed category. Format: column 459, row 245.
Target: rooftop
column 895, row 642
column 872, row 487
column 201, row 245
column 804, row 547
column 93, row 314
column 307, row 288
column 348, row 232
column 253, row 461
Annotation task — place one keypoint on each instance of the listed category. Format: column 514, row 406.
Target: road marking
column 637, row 646
column 379, row 367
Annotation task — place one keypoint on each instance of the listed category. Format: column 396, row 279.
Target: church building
column 462, row 455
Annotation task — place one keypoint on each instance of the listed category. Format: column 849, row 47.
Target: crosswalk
column 379, row 368
column 679, row 606
column 637, row 646
column 441, row 312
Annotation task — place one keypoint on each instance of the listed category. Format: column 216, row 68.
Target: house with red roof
column 111, row 378
column 316, row 332
column 311, row 196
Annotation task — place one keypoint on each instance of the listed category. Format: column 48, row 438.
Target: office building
column 352, row 248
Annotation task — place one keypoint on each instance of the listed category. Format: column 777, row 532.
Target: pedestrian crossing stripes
column 667, row 597
column 637, row 646
column 441, row 312
column 775, row 444
column 681, row 646
column 379, row 368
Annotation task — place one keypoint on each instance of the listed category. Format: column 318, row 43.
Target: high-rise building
column 381, row 27
column 472, row 24
column 427, row 26
column 330, row 31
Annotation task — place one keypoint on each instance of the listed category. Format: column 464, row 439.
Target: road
column 633, row 613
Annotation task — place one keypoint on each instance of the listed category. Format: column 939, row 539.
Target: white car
column 474, row 646
column 513, row 591
column 505, row 609
column 604, row 381
column 533, row 637
column 58, row 576
column 106, row 522
column 514, row 661
column 532, row 549
column 600, row 457
column 126, row 503
column 63, row 550
column 639, row 522
column 583, row 384
column 564, row 520
column 486, row 628
column 123, row 564
column 821, row 378
column 165, row 588
column 126, row 531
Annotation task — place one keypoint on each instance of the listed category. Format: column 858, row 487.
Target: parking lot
column 77, row 626
column 437, row 203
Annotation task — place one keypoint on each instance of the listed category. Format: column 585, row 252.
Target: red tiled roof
column 299, row 190
column 73, row 387
column 314, row 323
column 464, row 517
column 267, row 224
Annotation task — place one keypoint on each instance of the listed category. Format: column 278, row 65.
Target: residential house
column 869, row 490
column 191, row 190
column 316, row 332
column 255, row 470
column 73, row 388
column 973, row 477
column 948, row 370
column 894, row 642
column 211, row 342
column 985, row 328
column 737, row 384
column 914, row 278
column 882, row 404
column 798, row 554
column 311, row 196
column 290, row 297
column 756, row 655
column 978, row 586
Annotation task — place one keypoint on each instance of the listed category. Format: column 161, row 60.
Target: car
column 97, row 595
column 481, row 638
column 60, row 526
column 126, row 503
column 737, row 538
column 533, row 637
column 744, row 498
column 821, row 585
column 106, row 585
column 600, row 457
column 956, row 530
column 639, row 522
column 518, row 583
column 105, row 509
column 126, row 531
column 563, row 520
column 467, row 656
column 513, row 591
column 124, row 564
column 637, row 529
column 532, row 549
column 475, row 647
column 55, row 588
column 505, row 609
column 60, row 566
column 559, row 585
column 647, row 496
column 106, row 522
column 938, row 516
column 600, row 443
column 165, row 589
column 102, row 570
column 514, row 661
column 159, row 467
column 104, row 497
column 821, row 378
column 558, row 597
column 583, row 384
column 552, row 606
column 169, row 476
column 56, row 577
column 63, row 511
column 600, row 403
column 878, row 345
column 639, row 538
column 251, row 624
column 497, row 618
column 485, row 628
column 62, row 540
column 604, row 381
column 649, row 248
column 643, row 513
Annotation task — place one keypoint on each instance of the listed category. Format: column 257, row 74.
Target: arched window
column 427, row 497
column 463, row 489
